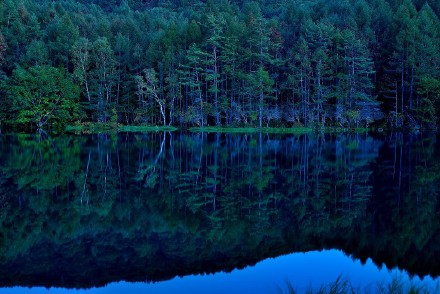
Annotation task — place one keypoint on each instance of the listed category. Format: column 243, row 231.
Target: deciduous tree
column 43, row 97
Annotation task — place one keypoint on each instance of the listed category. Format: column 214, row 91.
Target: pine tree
column 172, row 48
column 192, row 77
column 319, row 38
column 215, row 44
column 122, row 50
column 406, row 34
column 302, row 67
column 259, row 59
column 427, row 72
column 62, row 36
column 362, row 105
column 104, row 63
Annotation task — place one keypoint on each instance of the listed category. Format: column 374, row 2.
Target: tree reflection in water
column 103, row 208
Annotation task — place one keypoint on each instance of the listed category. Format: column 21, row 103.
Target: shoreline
column 106, row 128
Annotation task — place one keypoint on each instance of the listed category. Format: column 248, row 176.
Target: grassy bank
column 147, row 129
column 96, row 128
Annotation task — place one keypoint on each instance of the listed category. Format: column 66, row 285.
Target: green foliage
column 42, row 97
column 36, row 53
column 246, row 64
column 427, row 108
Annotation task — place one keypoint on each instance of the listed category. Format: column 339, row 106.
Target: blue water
column 303, row 270
column 86, row 211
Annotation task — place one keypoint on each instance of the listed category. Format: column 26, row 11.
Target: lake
column 216, row 213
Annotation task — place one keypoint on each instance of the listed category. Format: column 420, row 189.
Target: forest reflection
column 148, row 207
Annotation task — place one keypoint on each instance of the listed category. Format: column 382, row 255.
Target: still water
column 216, row 213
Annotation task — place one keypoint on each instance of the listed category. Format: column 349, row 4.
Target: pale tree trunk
column 217, row 115
column 162, row 111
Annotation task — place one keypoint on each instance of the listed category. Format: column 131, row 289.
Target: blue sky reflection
column 302, row 269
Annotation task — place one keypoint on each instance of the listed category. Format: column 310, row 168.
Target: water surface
column 88, row 211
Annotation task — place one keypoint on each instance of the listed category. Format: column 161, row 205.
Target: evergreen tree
column 62, row 34
column 36, row 53
column 427, row 72
column 319, row 36
column 103, row 77
column 360, row 103
column 215, row 44
column 259, row 58
column 192, row 76
column 405, row 51
column 313, row 63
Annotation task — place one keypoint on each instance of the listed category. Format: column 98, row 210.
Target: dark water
column 82, row 212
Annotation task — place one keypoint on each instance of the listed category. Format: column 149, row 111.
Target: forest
column 235, row 63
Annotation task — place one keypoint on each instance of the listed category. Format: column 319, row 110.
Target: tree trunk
column 402, row 84
column 162, row 111
column 261, row 103
column 217, row 114
column 411, row 93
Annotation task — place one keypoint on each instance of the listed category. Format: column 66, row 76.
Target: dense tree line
column 238, row 63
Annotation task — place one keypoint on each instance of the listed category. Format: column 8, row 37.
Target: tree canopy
column 233, row 63
column 42, row 95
